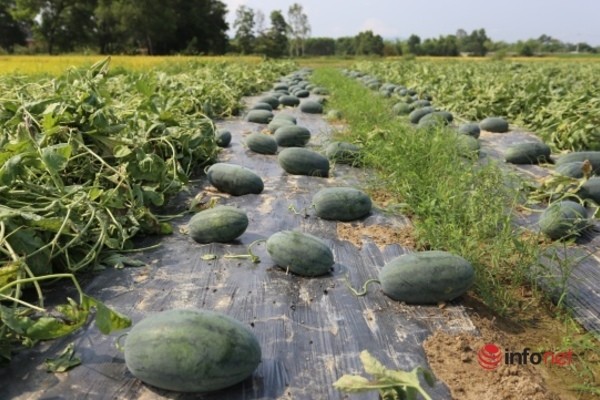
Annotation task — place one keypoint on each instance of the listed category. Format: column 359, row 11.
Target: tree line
column 200, row 27
column 114, row 26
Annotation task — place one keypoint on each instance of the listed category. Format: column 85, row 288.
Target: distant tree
column 186, row 26
column 461, row 34
column 392, row 48
column 475, row 43
column 278, row 35
column 11, row 31
column 201, row 27
column 244, row 25
column 274, row 42
column 527, row 48
column 259, row 23
column 550, row 45
column 583, row 47
column 60, row 23
column 110, row 34
column 414, row 45
column 319, row 47
column 344, row 46
column 428, row 47
column 299, row 29
column 448, row 46
column 367, row 43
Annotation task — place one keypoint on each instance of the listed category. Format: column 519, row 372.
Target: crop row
column 87, row 159
column 557, row 100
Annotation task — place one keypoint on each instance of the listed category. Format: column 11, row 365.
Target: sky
column 508, row 20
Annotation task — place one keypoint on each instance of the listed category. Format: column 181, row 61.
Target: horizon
column 573, row 24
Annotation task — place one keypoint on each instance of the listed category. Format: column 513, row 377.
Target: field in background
column 56, row 65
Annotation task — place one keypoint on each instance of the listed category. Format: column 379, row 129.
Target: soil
column 454, row 359
column 382, row 235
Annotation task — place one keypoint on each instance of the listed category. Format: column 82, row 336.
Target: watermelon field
column 220, row 228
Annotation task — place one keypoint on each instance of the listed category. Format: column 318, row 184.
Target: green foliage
column 557, row 100
column 368, row 43
column 62, row 24
column 443, row 46
column 391, row 384
column 320, row 46
column 65, row 360
column 476, row 43
column 414, row 45
column 86, row 160
column 299, row 29
column 244, row 25
column 11, row 32
column 127, row 25
column 464, row 213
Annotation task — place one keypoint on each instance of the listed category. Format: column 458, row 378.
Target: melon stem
column 255, row 259
column 364, row 288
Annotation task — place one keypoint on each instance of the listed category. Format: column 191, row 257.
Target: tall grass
column 457, row 203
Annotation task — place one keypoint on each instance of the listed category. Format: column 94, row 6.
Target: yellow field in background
column 55, row 65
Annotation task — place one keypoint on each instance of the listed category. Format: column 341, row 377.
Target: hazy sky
column 509, row 20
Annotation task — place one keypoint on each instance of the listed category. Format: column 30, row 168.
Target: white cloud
column 379, row 27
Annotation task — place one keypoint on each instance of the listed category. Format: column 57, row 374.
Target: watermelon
column 301, row 253
column 191, row 350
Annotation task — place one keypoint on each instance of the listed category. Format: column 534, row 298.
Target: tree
column 11, row 32
column 110, row 36
column 585, row 48
column 299, row 28
column 368, row 43
column 259, row 23
column 525, row 49
column 187, row 26
column 319, row 47
column 274, row 42
column 344, row 46
column 147, row 24
column 414, row 45
column 244, row 23
column 392, row 48
column 65, row 23
column 476, row 43
column 201, row 27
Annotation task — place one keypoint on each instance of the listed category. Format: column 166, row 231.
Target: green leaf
column 391, row 384
column 9, row 273
column 11, row 169
column 42, row 328
column 107, row 320
column 372, row 366
column 95, row 193
column 99, row 69
column 165, row 228
column 25, row 240
column 121, row 151
column 428, row 375
column 352, row 383
column 65, row 360
column 56, row 157
column 50, row 224
column 152, row 196
column 117, row 260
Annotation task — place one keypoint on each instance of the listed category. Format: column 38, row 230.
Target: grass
column 462, row 205
column 456, row 204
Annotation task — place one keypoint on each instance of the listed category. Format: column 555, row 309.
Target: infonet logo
column 490, row 356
